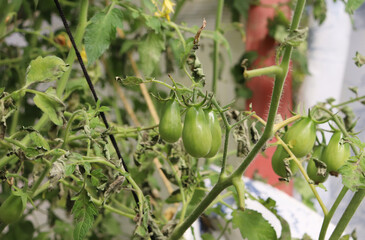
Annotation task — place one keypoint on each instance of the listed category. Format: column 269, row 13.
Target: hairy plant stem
column 225, row 182
column 216, row 46
column 272, row 70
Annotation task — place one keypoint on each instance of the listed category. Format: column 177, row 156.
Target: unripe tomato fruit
column 170, row 126
column 11, row 209
column 196, row 134
column 216, row 132
column 301, row 137
column 278, row 165
column 336, row 153
column 312, row 170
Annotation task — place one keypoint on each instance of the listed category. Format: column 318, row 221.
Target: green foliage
column 84, row 213
column 253, row 225
column 150, row 52
column 50, row 105
column 101, row 31
column 56, row 150
column 45, row 69
column 352, row 5
column 359, row 59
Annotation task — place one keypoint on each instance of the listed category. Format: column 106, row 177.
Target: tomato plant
column 83, row 147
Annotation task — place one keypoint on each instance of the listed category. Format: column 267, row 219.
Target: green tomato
column 216, row 132
column 278, row 165
column 170, row 126
column 301, row 137
column 196, row 135
column 12, row 208
column 336, row 153
column 312, row 169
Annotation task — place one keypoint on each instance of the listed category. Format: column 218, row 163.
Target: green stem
column 328, row 217
column 216, row 190
column 347, row 215
column 216, row 46
column 349, row 101
column 240, row 188
column 69, row 123
column 272, row 70
column 84, row 4
column 112, row 209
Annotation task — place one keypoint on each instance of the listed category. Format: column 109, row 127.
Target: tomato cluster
column 300, row 138
column 201, row 132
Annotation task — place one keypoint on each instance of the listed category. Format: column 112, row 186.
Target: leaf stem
column 349, row 101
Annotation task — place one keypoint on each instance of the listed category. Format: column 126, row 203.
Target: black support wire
column 92, row 89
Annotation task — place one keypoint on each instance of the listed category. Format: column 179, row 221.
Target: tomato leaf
column 84, row 213
column 252, row 225
column 353, row 175
column 45, row 69
column 129, row 81
column 359, row 59
column 150, row 52
column 352, row 5
column 38, row 140
column 50, row 105
column 100, row 32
